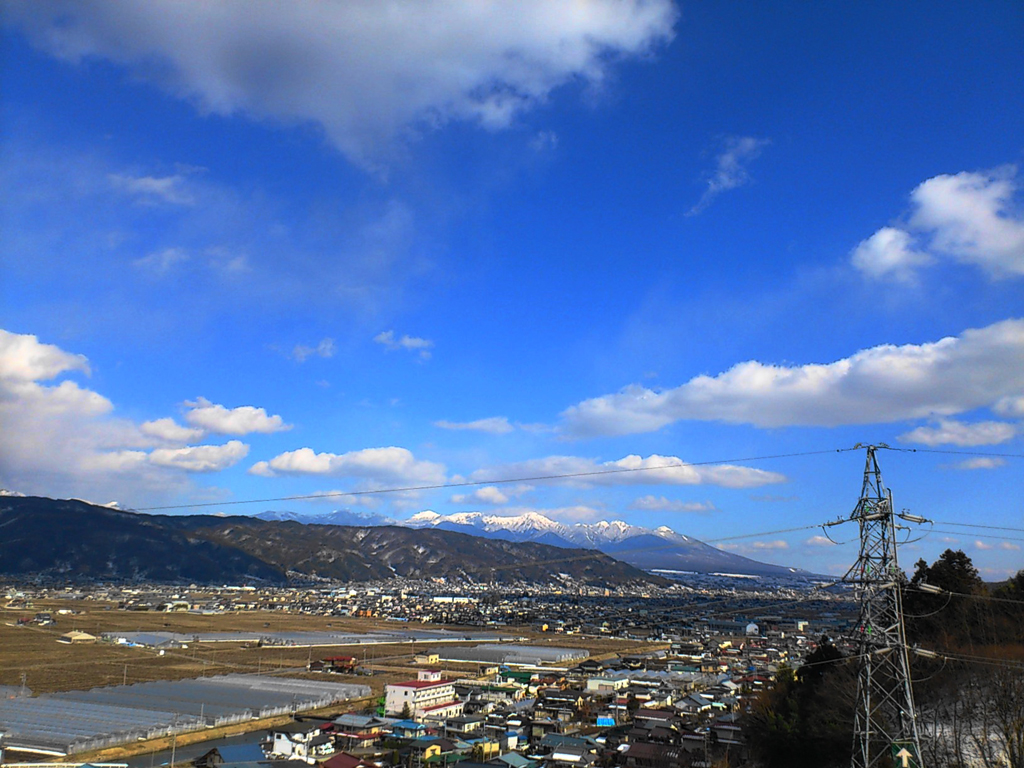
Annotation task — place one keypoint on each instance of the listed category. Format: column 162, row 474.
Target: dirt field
column 51, row 666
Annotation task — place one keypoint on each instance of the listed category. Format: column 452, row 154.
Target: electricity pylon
column 885, row 723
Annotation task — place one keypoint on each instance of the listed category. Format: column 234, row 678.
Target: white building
column 422, row 696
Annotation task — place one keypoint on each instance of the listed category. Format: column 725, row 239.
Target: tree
column 953, row 571
column 1013, row 589
column 406, row 711
column 806, row 717
column 951, row 620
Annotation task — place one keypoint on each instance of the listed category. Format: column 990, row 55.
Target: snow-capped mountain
column 533, row 525
column 652, row 549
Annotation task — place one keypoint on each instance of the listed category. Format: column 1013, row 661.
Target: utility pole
column 885, row 723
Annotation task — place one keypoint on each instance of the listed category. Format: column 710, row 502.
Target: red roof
column 423, row 683
column 441, row 706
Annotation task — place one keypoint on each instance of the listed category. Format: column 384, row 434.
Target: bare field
column 50, row 666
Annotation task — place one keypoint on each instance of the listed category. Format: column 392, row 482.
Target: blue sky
column 323, row 247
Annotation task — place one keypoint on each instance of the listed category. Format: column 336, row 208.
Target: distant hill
column 650, row 549
column 69, row 538
column 657, row 549
column 78, row 539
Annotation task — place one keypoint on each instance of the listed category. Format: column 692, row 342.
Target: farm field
column 50, row 666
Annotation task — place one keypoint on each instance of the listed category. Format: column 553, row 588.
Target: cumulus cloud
column 24, row 358
column 495, row 425
column 1009, row 546
column 730, row 168
column 326, row 348
column 243, row 420
column 981, row 462
column 1010, row 407
column 953, row 432
column 769, row 545
column 170, row 431
column 973, row 218
column 631, row 470
column 406, row 342
column 881, row 384
column 978, row 544
column 889, row 253
column 819, row 541
column 391, row 465
column 662, row 504
column 64, row 439
column 754, row 548
column 364, row 71
column 487, row 495
column 201, row 458
column 154, row 189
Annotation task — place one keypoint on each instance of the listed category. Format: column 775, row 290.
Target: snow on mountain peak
column 528, row 521
column 530, row 524
column 426, row 516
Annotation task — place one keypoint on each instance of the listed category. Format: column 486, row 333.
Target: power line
column 978, row 525
column 957, row 453
column 980, row 535
column 763, row 533
column 470, row 483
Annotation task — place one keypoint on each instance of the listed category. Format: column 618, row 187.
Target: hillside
column 72, row 539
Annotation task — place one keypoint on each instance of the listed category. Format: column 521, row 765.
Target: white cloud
column 969, row 217
column 23, row 358
column 495, row 425
column 654, row 470
column 326, row 348
column 972, row 217
column 154, row 189
column 394, row 466
column 64, row 440
column 769, row 545
column 888, row 253
column 1009, row 546
column 730, row 168
column 486, row 495
column 406, row 342
column 201, row 458
column 162, row 262
column 882, row 384
column 1010, row 407
column 819, row 541
column 662, row 504
column 978, row 544
column 243, row 420
column 168, row 429
column 953, row 432
column 365, row 71
column 983, row 462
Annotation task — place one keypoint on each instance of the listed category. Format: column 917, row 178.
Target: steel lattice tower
column 885, row 723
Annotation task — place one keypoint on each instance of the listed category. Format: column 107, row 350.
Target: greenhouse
column 75, row 721
column 513, row 654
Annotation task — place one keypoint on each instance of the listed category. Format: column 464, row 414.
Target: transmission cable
column 496, row 481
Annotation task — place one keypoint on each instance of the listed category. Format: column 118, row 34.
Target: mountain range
column 657, row 549
column 72, row 539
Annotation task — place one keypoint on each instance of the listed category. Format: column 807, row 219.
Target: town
column 408, row 673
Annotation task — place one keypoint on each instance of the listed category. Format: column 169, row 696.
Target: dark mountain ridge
column 75, row 539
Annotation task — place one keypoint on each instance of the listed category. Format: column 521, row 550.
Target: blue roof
column 241, row 753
